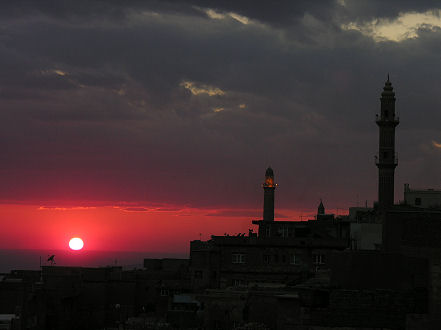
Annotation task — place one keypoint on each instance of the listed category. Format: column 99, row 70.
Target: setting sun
column 76, row 243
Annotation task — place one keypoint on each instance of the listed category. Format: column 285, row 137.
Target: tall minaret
column 268, row 196
column 386, row 160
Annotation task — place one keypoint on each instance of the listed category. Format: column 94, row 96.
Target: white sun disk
column 76, row 243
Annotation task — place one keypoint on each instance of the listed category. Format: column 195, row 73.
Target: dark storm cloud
column 278, row 12
column 158, row 102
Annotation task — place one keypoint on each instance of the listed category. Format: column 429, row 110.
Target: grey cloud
column 278, row 12
column 121, row 120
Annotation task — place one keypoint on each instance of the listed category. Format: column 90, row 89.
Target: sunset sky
column 140, row 125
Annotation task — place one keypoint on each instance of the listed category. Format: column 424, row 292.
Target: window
column 417, row 201
column 237, row 282
column 318, row 259
column 267, row 231
column 198, row 274
column 284, row 231
column 164, row 292
column 266, row 259
column 293, row 259
column 238, row 258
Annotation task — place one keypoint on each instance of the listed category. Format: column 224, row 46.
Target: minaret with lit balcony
column 268, row 196
column 386, row 160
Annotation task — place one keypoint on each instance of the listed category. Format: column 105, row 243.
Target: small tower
column 386, row 160
column 320, row 209
column 268, row 195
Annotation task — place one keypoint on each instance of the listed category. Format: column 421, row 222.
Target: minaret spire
column 386, row 159
column 321, row 208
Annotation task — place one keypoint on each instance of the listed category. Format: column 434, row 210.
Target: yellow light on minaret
column 269, row 179
column 269, row 182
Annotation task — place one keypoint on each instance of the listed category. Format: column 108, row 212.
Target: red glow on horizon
column 164, row 230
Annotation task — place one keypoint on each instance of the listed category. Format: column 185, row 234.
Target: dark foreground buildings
column 376, row 268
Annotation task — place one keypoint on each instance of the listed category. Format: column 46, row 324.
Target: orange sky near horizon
column 117, row 228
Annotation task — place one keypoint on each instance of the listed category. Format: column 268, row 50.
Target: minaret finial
column 388, row 77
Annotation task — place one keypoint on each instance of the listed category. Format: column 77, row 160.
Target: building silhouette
column 423, row 198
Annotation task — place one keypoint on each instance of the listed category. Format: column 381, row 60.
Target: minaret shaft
column 386, row 160
column 268, row 203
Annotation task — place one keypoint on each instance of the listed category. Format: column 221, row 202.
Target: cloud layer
column 187, row 102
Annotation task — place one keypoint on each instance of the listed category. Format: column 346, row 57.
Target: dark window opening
column 266, row 259
column 294, row 260
column 238, row 258
column 267, row 231
column 417, row 201
column 318, row 259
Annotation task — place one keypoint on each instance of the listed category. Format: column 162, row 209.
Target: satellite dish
column 51, row 259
